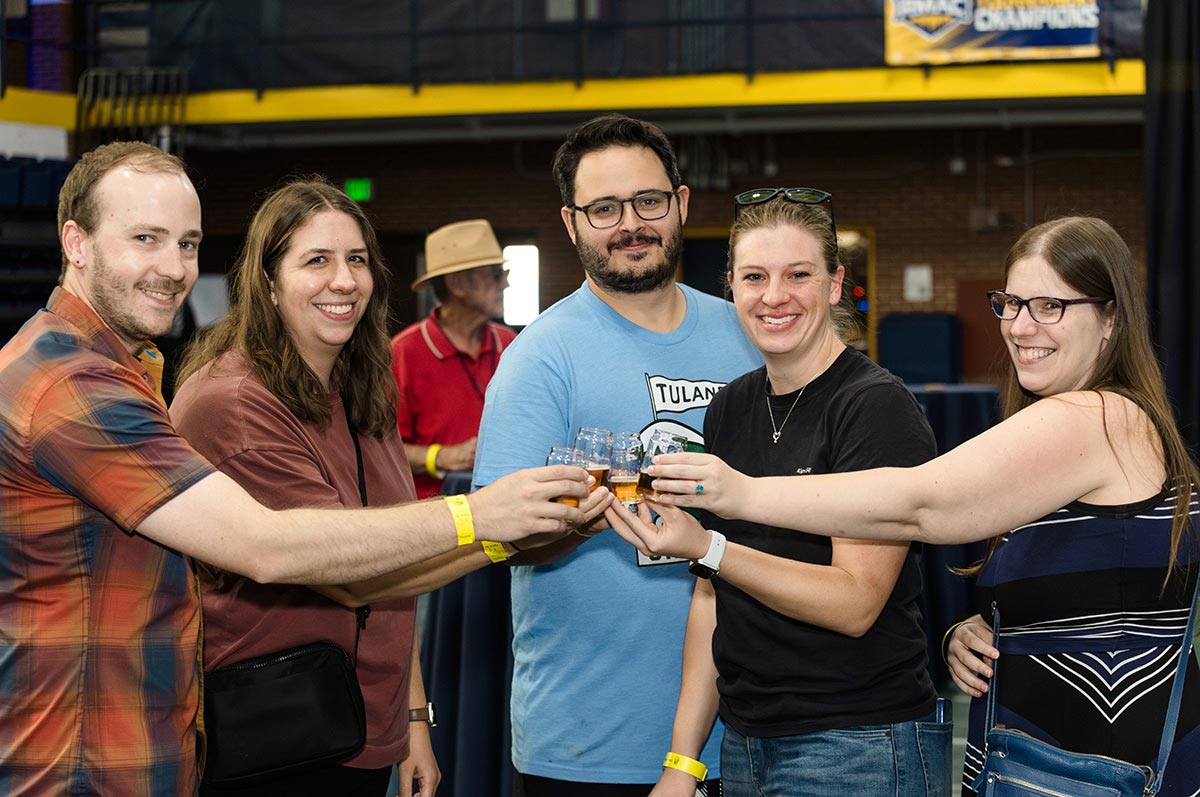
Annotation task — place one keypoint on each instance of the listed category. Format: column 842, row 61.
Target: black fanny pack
column 282, row 714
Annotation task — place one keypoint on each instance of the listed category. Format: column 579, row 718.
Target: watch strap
column 710, row 564
column 423, row 714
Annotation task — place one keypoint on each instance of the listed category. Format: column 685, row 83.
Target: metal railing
column 261, row 44
column 143, row 104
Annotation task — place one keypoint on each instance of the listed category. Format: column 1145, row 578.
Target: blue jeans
column 907, row 759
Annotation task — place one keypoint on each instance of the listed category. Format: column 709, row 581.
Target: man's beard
column 597, row 263
column 112, row 300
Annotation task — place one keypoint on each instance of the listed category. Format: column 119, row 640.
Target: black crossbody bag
column 287, row 712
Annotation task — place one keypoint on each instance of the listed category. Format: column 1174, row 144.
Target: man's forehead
column 620, row 171
column 125, row 175
column 133, row 188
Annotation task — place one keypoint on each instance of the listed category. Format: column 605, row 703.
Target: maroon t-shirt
column 246, row 432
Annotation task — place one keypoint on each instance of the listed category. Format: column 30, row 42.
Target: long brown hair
column 1089, row 255
column 814, row 219
column 255, row 328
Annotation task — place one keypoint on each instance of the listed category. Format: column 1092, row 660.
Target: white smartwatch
column 710, row 564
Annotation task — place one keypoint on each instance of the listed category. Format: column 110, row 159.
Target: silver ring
column 699, row 488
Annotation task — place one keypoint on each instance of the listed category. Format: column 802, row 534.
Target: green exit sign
column 359, row 189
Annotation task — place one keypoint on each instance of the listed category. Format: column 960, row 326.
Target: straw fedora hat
column 460, row 246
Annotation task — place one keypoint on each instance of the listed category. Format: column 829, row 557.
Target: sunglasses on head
column 801, row 196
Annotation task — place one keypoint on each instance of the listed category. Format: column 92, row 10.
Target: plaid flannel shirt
column 98, row 625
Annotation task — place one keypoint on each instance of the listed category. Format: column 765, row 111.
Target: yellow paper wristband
column 463, row 523
column 495, row 551
column 685, row 764
column 431, row 460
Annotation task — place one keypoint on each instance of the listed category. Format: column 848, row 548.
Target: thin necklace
column 775, row 432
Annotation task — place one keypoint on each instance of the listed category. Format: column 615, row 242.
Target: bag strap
column 362, row 612
column 1172, row 720
column 1168, row 736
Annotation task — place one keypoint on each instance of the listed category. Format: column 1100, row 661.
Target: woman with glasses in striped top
column 1086, row 492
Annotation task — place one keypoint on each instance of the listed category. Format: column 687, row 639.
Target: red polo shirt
column 441, row 388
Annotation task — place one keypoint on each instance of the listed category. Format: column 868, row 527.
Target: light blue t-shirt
column 598, row 640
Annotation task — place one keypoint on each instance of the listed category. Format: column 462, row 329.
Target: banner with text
column 963, row 31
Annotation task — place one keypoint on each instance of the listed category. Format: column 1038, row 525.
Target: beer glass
column 596, row 445
column 626, row 465
column 661, row 442
column 565, row 455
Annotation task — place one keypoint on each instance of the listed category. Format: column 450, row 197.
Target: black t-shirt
column 780, row 676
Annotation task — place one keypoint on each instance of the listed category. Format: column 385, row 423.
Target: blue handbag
column 1018, row 765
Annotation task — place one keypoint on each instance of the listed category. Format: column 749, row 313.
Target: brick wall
column 898, row 183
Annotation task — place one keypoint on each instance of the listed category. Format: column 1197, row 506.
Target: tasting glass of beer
column 661, row 442
column 596, row 445
column 626, row 465
column 565, row 455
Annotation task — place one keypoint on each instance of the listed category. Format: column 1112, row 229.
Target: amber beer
column 599, row 473
column 644, row 490
column 565, row 455
column 625, row 488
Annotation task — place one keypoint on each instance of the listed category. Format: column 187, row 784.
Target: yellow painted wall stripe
column 50, row 108
column 835, row 87
column 1006, row 81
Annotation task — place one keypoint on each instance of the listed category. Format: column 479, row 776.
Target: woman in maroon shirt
column 274, row 396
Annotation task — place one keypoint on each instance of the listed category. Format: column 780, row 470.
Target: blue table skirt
column 466, row 660
column 957, row 413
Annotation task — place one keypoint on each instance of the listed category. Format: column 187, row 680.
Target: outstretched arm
column 216, row 521
column 433, row 573
column 1040, row 459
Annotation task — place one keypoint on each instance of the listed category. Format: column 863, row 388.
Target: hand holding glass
column 661, row 442
column 565, row 455
column 596, row 445
column 626, row 466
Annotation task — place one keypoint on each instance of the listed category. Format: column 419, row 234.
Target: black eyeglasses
column 647, row 206
column 801, row 196
column 1042, row 309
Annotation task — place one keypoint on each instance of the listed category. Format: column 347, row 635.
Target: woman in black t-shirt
column 810, row 650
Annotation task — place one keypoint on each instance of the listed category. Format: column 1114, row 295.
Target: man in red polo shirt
column 443, row 364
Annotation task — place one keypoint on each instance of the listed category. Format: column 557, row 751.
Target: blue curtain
column 466, row 660
column 1172, row 164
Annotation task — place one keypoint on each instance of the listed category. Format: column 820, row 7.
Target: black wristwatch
column 710, row 564
column 425, row 714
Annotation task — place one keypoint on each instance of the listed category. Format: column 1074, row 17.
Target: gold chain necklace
column 775, row 432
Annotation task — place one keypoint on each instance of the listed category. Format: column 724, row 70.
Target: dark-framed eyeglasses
column 647, row 206
column 1042, row 309
column 801, row 196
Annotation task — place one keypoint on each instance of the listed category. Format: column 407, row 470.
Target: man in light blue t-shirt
column 598, row 634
